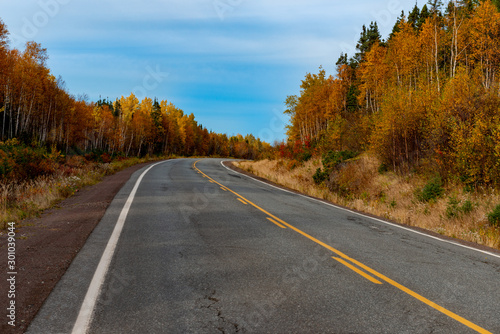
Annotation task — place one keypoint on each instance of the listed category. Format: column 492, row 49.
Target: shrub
column 304, row 156
column 431, row 191
column 452, row 209
column 332, row 159
column 383, row 168
column 494, row 216
column 467, row 207
column 292, row 164
column 351, row 179
column 320, row 176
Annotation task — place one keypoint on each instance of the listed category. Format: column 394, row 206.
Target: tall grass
column 22, row 199
column 360, row 186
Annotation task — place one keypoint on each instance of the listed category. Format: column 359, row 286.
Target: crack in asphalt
column 221, row 319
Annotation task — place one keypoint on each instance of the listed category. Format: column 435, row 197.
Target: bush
column 467, row 207
column 452, row 209
column 18, row 161
column 383, row 168
column 332, row 159
column 431, row 191
column 320, row 176
column 304, row 156
column 494, row 216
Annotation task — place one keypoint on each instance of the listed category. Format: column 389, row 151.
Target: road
column 207, row 250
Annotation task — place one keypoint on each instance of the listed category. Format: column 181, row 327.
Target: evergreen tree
column 396, row 29
column 424, row 15
column 342, row 59
column 435, row 6
column 414, row 17
column 366, row 40
column 497, row 3
column 117, row 110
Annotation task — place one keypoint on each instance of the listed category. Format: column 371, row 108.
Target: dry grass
column 28, row 198
column 389, row 196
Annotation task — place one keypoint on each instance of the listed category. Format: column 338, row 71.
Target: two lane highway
column 207, row 250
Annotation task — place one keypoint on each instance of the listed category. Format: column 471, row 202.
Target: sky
column 231, row 63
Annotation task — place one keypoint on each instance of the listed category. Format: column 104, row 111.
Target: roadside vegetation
column 35, row 179
column 412, row 199
column 407, row 128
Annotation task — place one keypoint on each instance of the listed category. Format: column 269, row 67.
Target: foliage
column 331, row 160
column 431, row 191
column 455, row 210
column 320, row 176
column 425, row 100
column 494, row 216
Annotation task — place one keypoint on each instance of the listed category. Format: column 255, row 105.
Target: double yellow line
column 346, row 260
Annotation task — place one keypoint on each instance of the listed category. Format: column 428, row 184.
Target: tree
column 485, row 34
column 414, row 17
column 373, row 74
column 367, row 38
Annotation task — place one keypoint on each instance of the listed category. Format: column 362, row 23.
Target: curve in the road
column 344, row 257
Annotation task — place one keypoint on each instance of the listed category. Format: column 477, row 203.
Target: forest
column 427, row 99
column 36, row 109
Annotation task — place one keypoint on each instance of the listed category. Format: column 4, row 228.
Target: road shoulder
column 46, row 246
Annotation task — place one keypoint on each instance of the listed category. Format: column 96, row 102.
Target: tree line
column 427, row 98
column 36, row 109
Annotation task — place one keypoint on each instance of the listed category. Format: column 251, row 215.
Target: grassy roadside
column 24, row 199
column 453, row 212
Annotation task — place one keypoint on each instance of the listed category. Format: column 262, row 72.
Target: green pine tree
column 414, row 17
column 367, row 38
column 424, row 15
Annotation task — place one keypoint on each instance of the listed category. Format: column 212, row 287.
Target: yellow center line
column 368, row 269
column 223, row 188
column 275, row 222
column 242, row 201
column 350, row 266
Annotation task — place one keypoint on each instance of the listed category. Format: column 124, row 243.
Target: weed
column 454, row 210
column 467, row 207
column 382, row 196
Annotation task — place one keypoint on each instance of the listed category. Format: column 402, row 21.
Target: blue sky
column 230, row 62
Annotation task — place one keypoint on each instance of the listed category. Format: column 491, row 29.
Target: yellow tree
column 485, row 33
column 373, row 75
column 404, row 56
column 308, row 112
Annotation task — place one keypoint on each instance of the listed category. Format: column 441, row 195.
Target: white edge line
column 365, row 216
column 84, row 318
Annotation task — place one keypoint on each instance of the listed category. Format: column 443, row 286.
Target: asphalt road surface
column 203, row 249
